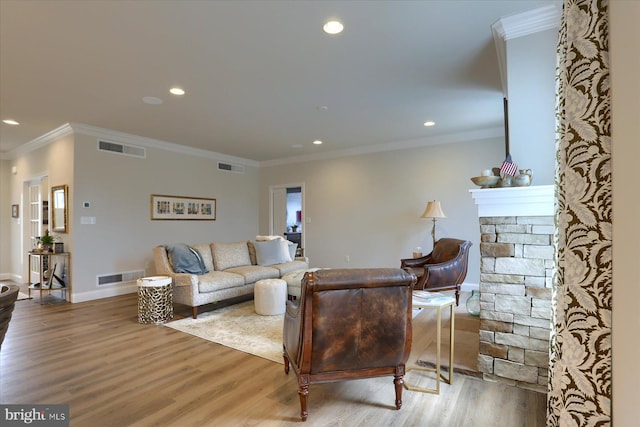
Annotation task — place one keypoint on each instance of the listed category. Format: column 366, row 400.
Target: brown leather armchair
column 444, row 268
column 349, row 324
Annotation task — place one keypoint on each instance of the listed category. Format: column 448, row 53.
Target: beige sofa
column 233, row 269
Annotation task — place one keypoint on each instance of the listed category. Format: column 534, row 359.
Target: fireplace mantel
column 536, row 200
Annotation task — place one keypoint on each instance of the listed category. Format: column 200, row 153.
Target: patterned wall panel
column 580, row 366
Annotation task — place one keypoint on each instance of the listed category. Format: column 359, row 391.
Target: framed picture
column 176, row 207
column 15, row 211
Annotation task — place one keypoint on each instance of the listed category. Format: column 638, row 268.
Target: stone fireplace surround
column 516, row 270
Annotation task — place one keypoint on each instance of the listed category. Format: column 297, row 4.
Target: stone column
column 516, row 273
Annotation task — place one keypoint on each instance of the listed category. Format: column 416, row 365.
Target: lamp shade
column 433, row 210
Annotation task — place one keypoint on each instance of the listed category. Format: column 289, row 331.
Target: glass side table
column 437, row 301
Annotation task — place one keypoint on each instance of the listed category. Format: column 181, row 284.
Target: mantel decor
column 185, row 208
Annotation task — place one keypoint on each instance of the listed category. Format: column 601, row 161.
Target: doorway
column 286, row 213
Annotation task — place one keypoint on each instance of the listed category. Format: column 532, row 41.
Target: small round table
column 155, row 299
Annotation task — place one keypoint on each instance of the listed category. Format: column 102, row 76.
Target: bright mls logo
column 35, row 415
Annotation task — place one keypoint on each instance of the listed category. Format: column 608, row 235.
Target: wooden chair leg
column 303, row 391
column 398, row 380
column 286, row 363
column 194, row 312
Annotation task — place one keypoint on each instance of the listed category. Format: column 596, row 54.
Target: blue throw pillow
column 186, row 259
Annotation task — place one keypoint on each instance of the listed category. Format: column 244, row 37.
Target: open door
column 287, row 203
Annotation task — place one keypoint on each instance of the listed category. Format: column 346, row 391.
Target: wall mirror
column 59, row 216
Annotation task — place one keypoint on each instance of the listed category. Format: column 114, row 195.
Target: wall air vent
column 230, row 167
column 116, row 278
column 117, row 148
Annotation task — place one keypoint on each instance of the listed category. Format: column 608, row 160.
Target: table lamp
column 433, row 211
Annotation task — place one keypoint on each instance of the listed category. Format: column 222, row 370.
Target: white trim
column 530, row 22
column 39, row 142
column 537, row 200
column 104, row 292
column 522, row 24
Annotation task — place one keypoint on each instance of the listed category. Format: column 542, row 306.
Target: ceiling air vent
column 230, row 167
column 127, row 150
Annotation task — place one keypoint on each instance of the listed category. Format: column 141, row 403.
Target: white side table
column 438, row 301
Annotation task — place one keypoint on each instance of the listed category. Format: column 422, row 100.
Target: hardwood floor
column 113, row 371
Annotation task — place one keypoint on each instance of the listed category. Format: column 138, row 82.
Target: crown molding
column 520, row 25
column 126, row 138
column 530, row 22
column 497, row 132
column 41, row 141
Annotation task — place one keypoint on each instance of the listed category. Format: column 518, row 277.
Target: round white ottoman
column 270, row 296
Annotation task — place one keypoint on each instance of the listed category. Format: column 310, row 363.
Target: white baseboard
column 10, row 276
column 468, row 287
column 105, row 292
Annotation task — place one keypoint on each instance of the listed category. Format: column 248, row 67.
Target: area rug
column 239, row 327
column 23, row 296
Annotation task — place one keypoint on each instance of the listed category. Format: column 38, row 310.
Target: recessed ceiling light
column 333, row 27
column 152, row 100
column 429, row 123
column 177, row 91
column 317, row 142
column 11, row 122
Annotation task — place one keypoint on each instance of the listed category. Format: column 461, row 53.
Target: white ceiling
column 255, row 72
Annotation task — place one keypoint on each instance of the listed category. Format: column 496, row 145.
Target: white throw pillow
column 272, row 252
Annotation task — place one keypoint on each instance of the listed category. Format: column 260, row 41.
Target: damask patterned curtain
column 580, row 365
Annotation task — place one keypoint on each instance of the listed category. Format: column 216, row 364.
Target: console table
column 45, row 261
column 437, row 301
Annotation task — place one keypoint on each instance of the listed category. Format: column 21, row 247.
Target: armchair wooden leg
column 457, row 296
column 303, row 391
column 398, row 380
column 194, row 312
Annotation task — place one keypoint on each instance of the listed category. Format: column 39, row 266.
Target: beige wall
column 119, row 188
column 53, row 160
column 531, row 71
column 368, row 207
column 625, row 69
column 6, row 221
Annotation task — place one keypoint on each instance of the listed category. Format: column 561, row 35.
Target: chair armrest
column 415, row 262
column 444, row 274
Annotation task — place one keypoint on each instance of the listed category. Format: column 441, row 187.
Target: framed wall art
column 15, row 211
column 186, row 208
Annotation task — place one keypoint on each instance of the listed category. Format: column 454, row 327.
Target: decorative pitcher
column 523, row 179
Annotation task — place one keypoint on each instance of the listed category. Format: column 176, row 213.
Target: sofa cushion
column 205, row 252
column 288, row 267
column 253, row 273
column 229, row 255
column 217, row 280
column 272, row 252
column 185, row 259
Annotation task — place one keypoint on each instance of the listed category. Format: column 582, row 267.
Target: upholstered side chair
column 445, row 268
column 349, row 324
